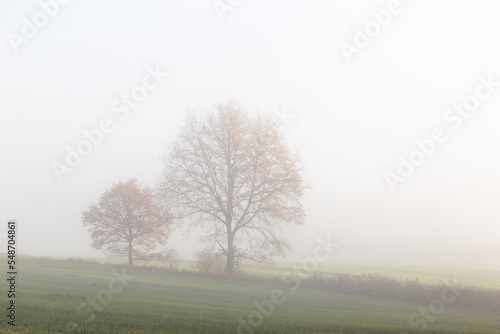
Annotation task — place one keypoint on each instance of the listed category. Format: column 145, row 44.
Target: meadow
column 61, row 296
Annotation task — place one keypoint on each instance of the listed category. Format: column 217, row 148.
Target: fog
column 350, row 114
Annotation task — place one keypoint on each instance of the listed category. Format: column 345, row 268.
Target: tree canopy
column 231, row 174
column 128, row 220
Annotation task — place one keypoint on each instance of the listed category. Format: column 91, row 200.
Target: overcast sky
column 355, row 103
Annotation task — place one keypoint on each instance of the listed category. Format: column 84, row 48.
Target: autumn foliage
column 128, row 221
column 232, row 175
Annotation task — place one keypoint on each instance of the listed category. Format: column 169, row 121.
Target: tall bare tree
column 128, row 220
column 232, row 174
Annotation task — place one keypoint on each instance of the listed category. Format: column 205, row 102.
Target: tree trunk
column 129, row 254
column 230, row 254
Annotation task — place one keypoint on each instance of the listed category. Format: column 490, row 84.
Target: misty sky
column 352, row 120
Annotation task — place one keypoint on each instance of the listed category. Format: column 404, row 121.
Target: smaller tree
column 128, row 220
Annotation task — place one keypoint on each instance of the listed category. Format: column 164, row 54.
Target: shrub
column 207, row 260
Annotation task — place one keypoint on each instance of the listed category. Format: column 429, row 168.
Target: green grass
column 49, row 292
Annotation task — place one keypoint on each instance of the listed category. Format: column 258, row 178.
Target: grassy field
column 54, row 295
column 482, row 278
